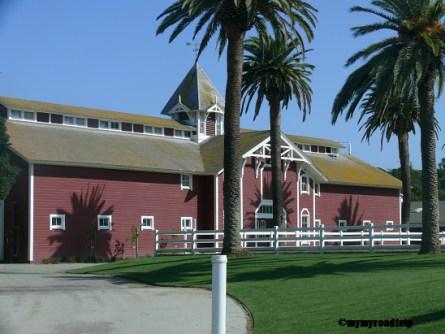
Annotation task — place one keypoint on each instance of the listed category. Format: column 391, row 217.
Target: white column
column 2, row 230
column 216, row 201
column 219, row 281
column 31, row 213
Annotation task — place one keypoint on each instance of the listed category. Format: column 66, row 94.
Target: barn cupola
column 196, row 102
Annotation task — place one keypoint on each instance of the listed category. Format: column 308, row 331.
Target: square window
column 159, row 131
column 104, row 124
column 81, row 121
column 57, row 222
column 147, row 223
column 178, row 133
column 148, row 129
column 186, row 223
column 389, row 225
column 318, row 223
column 29, row 115
column 186, row 181
column 306, row 147
column 317, row 189
column 104, row 222
column 16, row 114
column 68, row 120
column 342, row 224
column 115, row 125
column 187, row 134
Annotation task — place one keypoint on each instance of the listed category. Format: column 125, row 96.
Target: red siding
column 356, row 204
column 82, row 193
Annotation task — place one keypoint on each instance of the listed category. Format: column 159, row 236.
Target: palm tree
column 274, row 69
column 398, row 119
column 229, row 20
column 413, row 55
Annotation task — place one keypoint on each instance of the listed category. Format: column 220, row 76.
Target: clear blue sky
column 104, row 54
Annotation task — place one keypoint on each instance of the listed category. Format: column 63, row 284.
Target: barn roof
column 39, row 106
column 196, row 92
column 63, row 145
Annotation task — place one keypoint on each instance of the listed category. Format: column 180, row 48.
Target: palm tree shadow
column 349, row 211
column 81, row 238
column 428, row 317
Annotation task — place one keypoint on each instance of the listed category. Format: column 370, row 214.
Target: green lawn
column 309, row 293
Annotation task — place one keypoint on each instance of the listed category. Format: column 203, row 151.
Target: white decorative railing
column 315, row 239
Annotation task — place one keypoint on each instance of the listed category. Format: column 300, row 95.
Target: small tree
column 134, row 238
column 8, row 172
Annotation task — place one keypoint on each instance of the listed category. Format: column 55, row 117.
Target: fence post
column 156, row 242
column 371, row 238
column 321, row 236
column 193, row 241
column 408, row 230
column 275, row 242
column 219, row 281
column 341, row 237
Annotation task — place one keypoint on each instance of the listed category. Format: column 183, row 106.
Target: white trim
column 400, row 207
column 313, row 201
column 216, row 203
column 389, row 222
column 298, row 195
column 57, row 227
column 305, row 212
column 31, row 213
column 317, row 193
column 241, row 203
column 182, row 223
column 143, row 227
column 109, row 227
column 342, row 223
column 22, row 115
column 308, row 190
column 318, row 222
column 367, row 222
column 190, row 186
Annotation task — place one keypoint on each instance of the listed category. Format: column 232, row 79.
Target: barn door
column 2, row 230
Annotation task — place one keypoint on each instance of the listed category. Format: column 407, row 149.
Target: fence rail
column 315, row 239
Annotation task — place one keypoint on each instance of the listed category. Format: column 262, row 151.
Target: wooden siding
column 83, row 193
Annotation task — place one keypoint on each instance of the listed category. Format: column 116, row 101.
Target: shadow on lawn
column 428, row 317
column 197, row 271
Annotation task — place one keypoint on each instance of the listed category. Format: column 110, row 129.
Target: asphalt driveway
column 42, row 299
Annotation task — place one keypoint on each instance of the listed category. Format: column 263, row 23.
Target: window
column 186, row 182
column 306, row 147
column 57, row 222
column 266, row 209
column 186, row 223
column 159, row 131
column 187, row 134
column 148, row 129
column 328, row 150
column 304, row 186
column 367, row 223
column 68, row 120
column 389, row 225
column 104, row 222
column 304, row 218
column 317, row 189
column 81, row 121
column 342, row 224
column 178, row 133
column 147, row 223
column 318, row 223
column 104, row 124
column 29, row 115
column 115, row 125
column 15, row 114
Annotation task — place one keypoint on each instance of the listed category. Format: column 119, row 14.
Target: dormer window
column 104, row 124
column 77, row 121
column 186, row 182
column 29, row 116
column 15, row 114
column 179, row 133
column 306, row 147
column 148, row 129
column 159, row 131
column 24, row 115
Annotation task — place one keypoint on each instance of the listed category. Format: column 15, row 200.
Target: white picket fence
column 316, row 239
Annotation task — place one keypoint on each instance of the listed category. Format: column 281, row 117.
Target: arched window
column 304, row 184
column 304, row 218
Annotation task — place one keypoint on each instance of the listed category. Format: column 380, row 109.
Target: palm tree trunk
column 277, row 172
column 430, row 198
column 405, row 171
column 232, row 158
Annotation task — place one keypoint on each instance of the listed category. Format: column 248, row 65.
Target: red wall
column 82, row 193
column 357, row 204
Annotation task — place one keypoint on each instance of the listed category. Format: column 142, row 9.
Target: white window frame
column 119, row 126
column 318, row 222
column 15, row 110
column 109, row 227
column 342, row 223
column 34, row 116
column 306, row 148
column 317, row 189
column 183, row 227
column 306, row 177
column 389, row 222
column 178, row 133
column 367, row 222
column 158, row 134
column 57, row 227
column 305, row 213
column 190, row 186
column 143, row 227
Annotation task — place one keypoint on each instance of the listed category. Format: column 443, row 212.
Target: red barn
column 89, row 178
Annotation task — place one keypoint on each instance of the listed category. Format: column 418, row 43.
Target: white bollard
column 219, row 282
